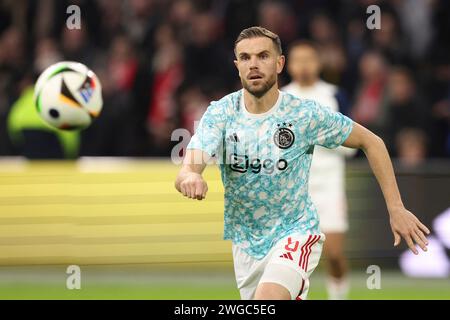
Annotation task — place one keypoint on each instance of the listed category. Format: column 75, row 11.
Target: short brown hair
column 256, row 32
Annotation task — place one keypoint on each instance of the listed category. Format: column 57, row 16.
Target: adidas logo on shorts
column 287, row 255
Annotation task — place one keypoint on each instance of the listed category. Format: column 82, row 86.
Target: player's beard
column 261, row 89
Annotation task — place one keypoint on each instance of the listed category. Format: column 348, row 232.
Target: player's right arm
column 189, row 181
column 205, row 143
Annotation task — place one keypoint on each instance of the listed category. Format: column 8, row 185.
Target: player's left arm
column 403, row 222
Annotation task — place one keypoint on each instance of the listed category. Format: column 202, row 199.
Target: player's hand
column 193, row 186
column 405, row 225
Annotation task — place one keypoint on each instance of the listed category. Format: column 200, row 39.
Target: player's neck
column 262, row 104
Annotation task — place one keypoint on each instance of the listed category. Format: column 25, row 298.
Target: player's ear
column 237, row 67
column 280, row 63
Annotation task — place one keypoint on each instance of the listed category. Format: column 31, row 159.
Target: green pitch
column 223, row 292
column 216, row 285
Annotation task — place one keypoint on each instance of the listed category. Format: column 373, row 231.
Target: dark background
column 162, row 61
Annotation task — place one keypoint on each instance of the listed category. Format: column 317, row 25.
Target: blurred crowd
column 161, row 62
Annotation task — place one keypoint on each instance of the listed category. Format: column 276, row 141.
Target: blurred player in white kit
column 327, row 175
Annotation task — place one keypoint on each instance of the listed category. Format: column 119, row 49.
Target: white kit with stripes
column 289, row 263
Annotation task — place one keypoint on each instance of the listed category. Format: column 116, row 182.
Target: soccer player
column 326, row 177
column 264, row 139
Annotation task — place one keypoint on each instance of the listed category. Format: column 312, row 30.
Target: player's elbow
column 372, row 142
column 375, row 139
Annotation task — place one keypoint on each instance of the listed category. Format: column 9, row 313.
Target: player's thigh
column 279, row 282
column 248, row 272
column 272, row 291
column 292, row 261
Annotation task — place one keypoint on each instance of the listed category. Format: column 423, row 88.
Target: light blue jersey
column 265, row 161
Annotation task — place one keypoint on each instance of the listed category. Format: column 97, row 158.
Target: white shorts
column 289, row 263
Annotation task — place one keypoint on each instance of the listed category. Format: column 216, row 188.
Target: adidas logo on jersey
column 233, row 138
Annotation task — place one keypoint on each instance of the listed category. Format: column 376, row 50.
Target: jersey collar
column 260, row 115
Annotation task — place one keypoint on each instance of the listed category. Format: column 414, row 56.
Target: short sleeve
column 208, row 136
column 327, row 128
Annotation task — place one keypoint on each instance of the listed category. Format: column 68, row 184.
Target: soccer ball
column 68, row 96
